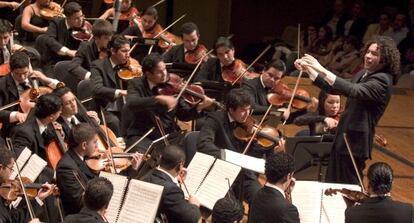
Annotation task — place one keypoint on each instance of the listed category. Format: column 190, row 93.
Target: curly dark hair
column 227, row 210
column 278, row 165
column 380, row 176
column 390, row 56
column 238, row 97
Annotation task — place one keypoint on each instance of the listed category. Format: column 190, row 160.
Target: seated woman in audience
column 325, row 120
column 323, row 43
column 344, row 60
column 32, row 21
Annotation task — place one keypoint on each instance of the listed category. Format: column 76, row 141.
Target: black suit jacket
column 367, row 100
column 380, row 210
column 173, row 204
column 209, row 71
column 86, row 215
column 8, row 94
column 85, row 55
column 57, row 36
column 105, row 82
column 71, row 190
column 175, row 54
column 65, row 126
column 270, row 206
column 18, row 215
column 141, row 99
column 258, row 94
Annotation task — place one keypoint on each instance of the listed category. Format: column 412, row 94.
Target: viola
column 131, row 69
column 266, row 136
column 281, row 94
column 51, row 11
column 193, row 93
column 194, row 56
column 235, row 70
column 84, row 33
column 12, row 189
column 352, row 195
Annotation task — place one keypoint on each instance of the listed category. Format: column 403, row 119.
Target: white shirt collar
column 261, row 81
column 172, row 178
column 275, row 187
column 230, row 118
column 112, row 63
column 150, row 84
column 42, row 127
column 67, row 25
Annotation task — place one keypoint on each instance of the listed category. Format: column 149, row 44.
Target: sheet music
column 245, row 161
column 215, row 186
column 21, row 160
column 33, row 167
column 119, row 182
column 314, row 206
column 141, row 202
column 197, row 171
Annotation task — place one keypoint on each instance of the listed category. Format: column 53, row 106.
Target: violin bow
column 165, row 30
column 111, row 157
column 251, row 64
column 139, row 140
column 353, row 162
column 29, row 206
column 192, row 74
column 20, row 4
column 257, row 129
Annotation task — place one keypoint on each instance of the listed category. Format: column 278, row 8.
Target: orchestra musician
column 98, row 193
column 5, row 35
column 271, row 203
column 173, row 204
column 217, row 134
column 128, row 11
column 107, row 85
column 21, row 213
column 368, row 93
column 32, row 22
column 58, row 43
column 227, row 210
column 143, row 97
column 380, row 207
column 13, row 85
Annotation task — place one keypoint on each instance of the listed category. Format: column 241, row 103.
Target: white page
column 33, row 167
column 215, row 186
column 141, row 202
column 119, row 182
column 333, row 207
column 306, row 196
column 247, row 162
column 21, row 160
column 197, row 171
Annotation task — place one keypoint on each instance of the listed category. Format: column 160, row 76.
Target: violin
column 101, row 162
column 84, row 33
column 194, row 56
column 51, row 11
column 126, row 15
column 266, row 136
column 193, row 93
column 233, row 72
column 12, row 189
column 130, row 70
column 4, row 69
column 352, row 195
column 167, row 39
column 281, row 93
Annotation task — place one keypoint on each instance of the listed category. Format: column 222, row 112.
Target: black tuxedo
column 141, row 100
column 18, row 215
column 367, row 100
column 258, row 93
column 65, row 125
column 269, row 205
column 87, row 53
column 1, row 53
column 86, row 215
column 175, row 54
column 173, row 204
column 380, row 210
column 209, row 71
column 58, row 35
column 8, row 94
column 71, row 190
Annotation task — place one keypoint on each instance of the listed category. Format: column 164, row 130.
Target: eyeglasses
column 10, row 168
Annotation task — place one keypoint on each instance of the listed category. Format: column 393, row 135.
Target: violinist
column 191, row 36
column 227, row 209
column 325, row 119
column 273, row 203
column 128, row 11
column 72, row 173
column 144, row 98
column 218, row 134
column 5, row 35
column 58, row 43
column 380, row 207
column 32, row 21
column 71, row 115
column 19, row 214
column 98, row 193
column 107, row 86
column 368, row 93
column 13, row 85
column 88, row 51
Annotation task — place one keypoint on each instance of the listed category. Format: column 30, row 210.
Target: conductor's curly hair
column 389, row 55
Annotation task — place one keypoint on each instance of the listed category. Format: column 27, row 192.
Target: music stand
column 310, row 151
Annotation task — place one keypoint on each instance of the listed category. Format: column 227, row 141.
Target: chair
column 62, row 74
column 84, row 91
